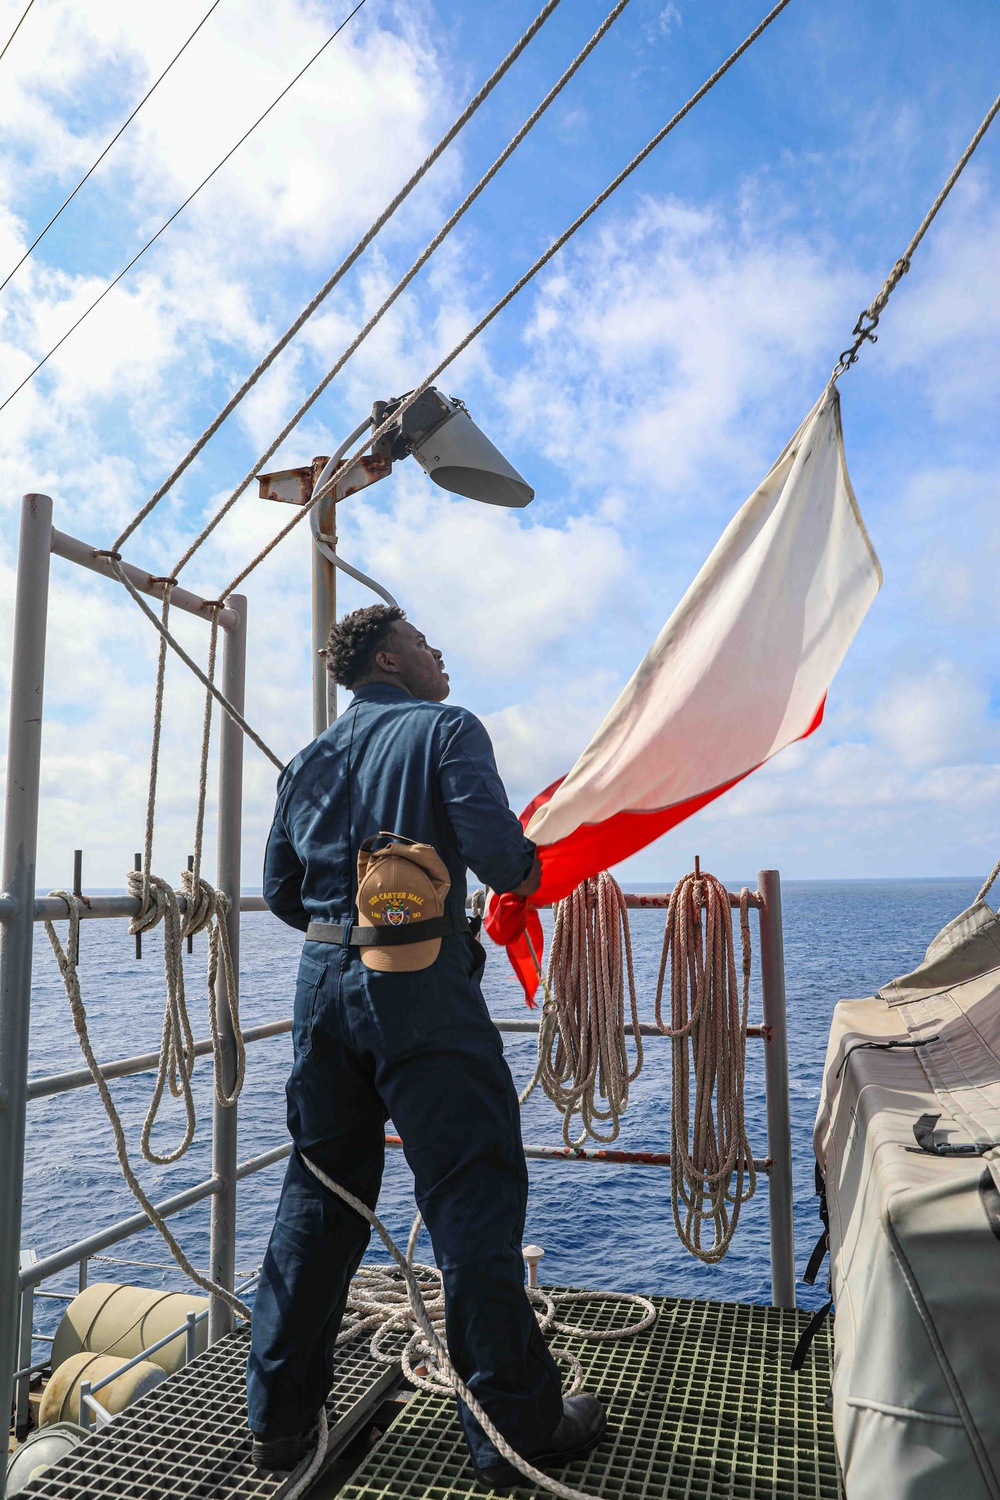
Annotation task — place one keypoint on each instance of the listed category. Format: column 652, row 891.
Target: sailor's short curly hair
column 357, row 638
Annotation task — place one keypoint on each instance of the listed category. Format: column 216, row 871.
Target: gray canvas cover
column 915, row 1235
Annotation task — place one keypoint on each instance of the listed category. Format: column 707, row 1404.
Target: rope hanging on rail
column 712, row 1171
column 68, row 960
column 583, row 1062
column 205, row 908
column 864, row 328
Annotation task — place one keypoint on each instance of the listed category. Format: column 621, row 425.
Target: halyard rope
column 508, row 297
column 205, row 907
column 710, row 1155
column 110, row 286
column 989, row 881
column 117, row 135
column 582, row 1054
column 210, row 687
column 865, row 327
column 341, row 270
column 68, row 958
column 404, row 282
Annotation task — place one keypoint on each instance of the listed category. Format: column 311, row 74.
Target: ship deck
column 701, row 1406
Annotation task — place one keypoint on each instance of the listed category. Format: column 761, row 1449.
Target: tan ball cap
column 400, row 886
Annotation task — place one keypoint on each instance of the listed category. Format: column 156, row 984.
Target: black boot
column 282, row 1452
column 579, row 1430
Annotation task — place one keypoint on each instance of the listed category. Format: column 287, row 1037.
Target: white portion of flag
column 743, row 665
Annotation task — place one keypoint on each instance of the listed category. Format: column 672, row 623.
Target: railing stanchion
column 25, row 1345
column 779, row 1119
column 224, row 1158
column 191, row 1337
column 18, row 882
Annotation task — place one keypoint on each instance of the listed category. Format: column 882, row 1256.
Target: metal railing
column 20, row 909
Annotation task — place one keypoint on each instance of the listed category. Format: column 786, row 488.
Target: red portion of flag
column 589, row 849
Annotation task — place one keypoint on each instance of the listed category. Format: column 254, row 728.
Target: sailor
column 400, row 1030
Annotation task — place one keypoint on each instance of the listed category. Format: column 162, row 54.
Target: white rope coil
column 712, row 1171
column 382, row 1303
column 583, row 1062
column 68, row 961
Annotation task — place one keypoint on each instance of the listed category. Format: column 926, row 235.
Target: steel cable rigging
column 178, row 211
column 405, row 280
column 16, row 28
column 499, row 306
column 167, row 639
column 118, row 133
column 345, row 265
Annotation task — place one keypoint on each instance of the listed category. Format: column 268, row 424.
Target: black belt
column 384, row 937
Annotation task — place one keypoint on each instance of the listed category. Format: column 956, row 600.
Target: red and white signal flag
column 740, row 670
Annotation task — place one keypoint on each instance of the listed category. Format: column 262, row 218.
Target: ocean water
column 600, row 1226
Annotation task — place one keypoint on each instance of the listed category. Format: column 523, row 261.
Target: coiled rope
column 205, row 908
column 583, row 1063
column 710, row 1155
column 380, row 1307
column 68, row 961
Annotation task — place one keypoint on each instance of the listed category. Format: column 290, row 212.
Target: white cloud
column 660, row 366
column 938, row 718
column 498, row 590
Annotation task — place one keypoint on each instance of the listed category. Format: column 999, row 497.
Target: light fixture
column 453, row 451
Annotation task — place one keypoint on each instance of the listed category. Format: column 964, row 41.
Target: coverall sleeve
column 490, row 836
column 284, row 873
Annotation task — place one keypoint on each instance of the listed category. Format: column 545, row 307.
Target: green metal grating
column 702, row 1406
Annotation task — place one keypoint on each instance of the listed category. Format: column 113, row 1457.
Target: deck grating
column 701, row 1407
column 188, row 1438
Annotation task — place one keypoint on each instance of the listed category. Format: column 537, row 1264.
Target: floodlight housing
column 456, row 453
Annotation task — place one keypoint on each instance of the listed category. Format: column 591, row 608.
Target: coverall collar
column 380, row 692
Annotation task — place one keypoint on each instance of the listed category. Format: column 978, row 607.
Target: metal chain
column 864, row 328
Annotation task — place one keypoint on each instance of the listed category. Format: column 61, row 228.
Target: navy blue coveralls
column 417, row 1047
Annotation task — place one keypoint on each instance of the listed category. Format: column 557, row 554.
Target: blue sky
column 644, row 384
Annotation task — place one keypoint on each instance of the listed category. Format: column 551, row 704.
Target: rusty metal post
column 224, row 1120
column 18, row 883
column 324, row 612
column 779, row 1116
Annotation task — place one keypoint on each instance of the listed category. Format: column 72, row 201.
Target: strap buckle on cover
column 923, row 1132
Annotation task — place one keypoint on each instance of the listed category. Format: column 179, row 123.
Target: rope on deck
column 383, row 1310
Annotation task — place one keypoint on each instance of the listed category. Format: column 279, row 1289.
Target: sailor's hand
column 529, row 885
